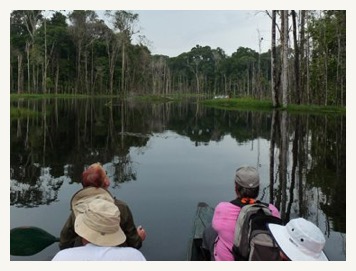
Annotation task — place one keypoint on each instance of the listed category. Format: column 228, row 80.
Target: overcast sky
column 172, row 32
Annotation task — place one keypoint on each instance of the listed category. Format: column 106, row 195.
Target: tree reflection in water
column 53, row 140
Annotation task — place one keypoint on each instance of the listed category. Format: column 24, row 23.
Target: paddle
column 26, row 241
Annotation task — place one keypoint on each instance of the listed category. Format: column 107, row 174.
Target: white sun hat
column 300, row 240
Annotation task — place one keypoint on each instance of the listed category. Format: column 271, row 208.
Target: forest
column 76, row 52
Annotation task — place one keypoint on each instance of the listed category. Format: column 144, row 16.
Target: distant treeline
column 77, row 52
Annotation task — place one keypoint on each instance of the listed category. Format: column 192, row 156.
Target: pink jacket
column 224, row 220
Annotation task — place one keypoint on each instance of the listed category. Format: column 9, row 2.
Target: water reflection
column 52, row 141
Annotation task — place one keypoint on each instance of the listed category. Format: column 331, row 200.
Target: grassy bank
column 252, row 104
column 47, row 96
column 168, row 98
column 226, row 104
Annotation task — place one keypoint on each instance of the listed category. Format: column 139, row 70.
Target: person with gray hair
column 218, row 238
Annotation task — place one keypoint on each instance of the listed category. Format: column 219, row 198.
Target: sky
column 172, row 32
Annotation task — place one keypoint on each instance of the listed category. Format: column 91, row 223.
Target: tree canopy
column 76, row 52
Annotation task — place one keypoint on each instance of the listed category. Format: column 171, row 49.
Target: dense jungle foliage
column 78, row 52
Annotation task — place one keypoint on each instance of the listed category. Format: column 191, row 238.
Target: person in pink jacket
column 219, row 237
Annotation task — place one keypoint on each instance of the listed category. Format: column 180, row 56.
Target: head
column 247, row 182
column 95, row 176
column 299, row 240
column 100, row 224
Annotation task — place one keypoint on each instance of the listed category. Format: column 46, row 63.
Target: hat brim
column 97, row 238
column 282, row 238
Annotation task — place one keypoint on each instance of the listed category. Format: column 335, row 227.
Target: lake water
column 162, row 159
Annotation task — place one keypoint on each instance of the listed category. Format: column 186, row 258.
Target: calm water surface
column 162, row 159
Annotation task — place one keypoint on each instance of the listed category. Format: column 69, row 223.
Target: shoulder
column 125, row 211
column 223, row 208
column 132, row 250
column 66, row 254
column 274, row 210
column 130, row 254
column 224, row 205
column 123, row 207
column 120, row 202
column 225, row 215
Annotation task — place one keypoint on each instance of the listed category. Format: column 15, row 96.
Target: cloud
column 173, row 32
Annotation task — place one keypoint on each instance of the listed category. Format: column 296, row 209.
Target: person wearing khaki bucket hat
column 98, row 224
column 95, row 185
column 299, row 240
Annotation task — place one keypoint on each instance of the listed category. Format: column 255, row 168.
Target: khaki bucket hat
column 83, row 197
column 100, row 223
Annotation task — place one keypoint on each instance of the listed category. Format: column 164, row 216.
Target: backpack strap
column 241, row 202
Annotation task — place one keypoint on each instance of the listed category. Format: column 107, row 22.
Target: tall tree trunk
column 248, row 83
column 326, row 60
column 57, row 77
column 28, row 66
column 338, row 81
column 11, row 78
column 253, row 81
column 259, row 76
column 296, row 58
column 284, row 38
column 44, row 80
column 35, row 76
column 302, row 56
column 86, row 81
column 197, row 80
column 123, row 71
column 92, row 71
column 307, row 62
column 274, row 70
column 19, row 73
column 111, row 49
column 79, row 54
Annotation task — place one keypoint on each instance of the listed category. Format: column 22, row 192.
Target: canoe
column 203, row 216
column 29, row 240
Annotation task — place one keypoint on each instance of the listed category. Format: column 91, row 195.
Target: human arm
column 224, row 220
column 68, row 237
column 134, row 235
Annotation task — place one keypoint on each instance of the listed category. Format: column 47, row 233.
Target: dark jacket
column 69, row 238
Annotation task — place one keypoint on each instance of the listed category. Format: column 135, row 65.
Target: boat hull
column 202, row 219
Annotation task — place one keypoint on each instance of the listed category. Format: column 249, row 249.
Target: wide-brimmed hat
column 100, row 223
column 300, row 240
column 81, row 199
column 247, row 177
